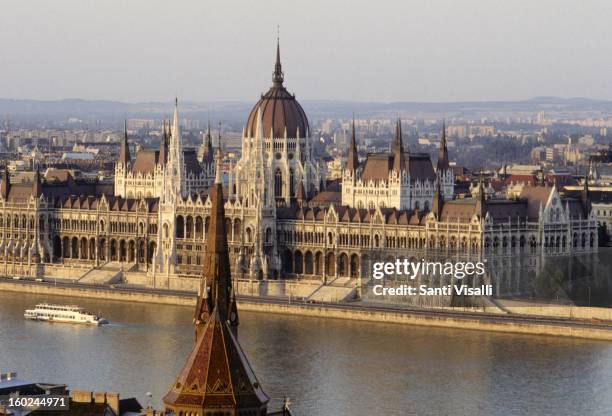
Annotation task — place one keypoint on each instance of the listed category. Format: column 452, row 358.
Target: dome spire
column 278, row 76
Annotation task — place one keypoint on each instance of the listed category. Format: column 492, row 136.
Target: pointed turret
column 443, row 163
column 175, row 167
column 277, row 75
column 438, row 201
column 6, row 183
column 163, row 145
column 353, row 159
column 176, row 129
column 399, row 162
column 216, row 255
column 207, row 152
column 124, row 151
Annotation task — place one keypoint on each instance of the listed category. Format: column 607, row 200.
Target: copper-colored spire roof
column 216, row 377
column 124, row 151
column 216, row 257
column 353, row 159
column 443, row 163
column 399, row 162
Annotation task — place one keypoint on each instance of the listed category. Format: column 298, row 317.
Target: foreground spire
column 216, row 377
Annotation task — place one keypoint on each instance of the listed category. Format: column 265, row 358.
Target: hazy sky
column 383, row 50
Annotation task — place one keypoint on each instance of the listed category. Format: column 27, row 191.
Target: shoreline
column 520, row 324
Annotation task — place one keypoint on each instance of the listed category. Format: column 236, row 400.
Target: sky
column 357, row 50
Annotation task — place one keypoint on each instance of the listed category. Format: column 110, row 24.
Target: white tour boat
column 63, row 313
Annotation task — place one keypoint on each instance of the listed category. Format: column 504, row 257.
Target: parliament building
column 283, row 219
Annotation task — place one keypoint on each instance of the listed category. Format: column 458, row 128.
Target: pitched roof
column 378, row 165
column 146, row 160
column 216, row 375
column 536, row 196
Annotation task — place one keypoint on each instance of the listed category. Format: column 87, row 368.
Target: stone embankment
column 592, row 329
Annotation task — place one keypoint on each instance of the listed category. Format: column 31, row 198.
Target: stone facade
column 281, row 219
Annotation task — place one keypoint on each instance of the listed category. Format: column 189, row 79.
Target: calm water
column 326, row 367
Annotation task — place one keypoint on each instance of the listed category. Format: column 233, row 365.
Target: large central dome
column 279, row 110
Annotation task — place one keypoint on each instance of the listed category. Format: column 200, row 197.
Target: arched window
column 180, row 227
column 278, row 183
column 291, row 183
column 268, row 235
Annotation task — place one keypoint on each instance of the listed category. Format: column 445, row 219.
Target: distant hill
column 236, row 112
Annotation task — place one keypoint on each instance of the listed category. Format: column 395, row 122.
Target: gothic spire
column 163, row 146
column 124, row 151
column 353, row 159
column 216, row 255
column 399, row 162
column 216, row 377
column 207, row 147
column 438, row 201
column 443, row 163
column 278, row 76
column 175, row 124
column 175, row 165
column 208, row 137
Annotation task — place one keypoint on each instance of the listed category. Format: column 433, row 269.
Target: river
column 325, row 366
